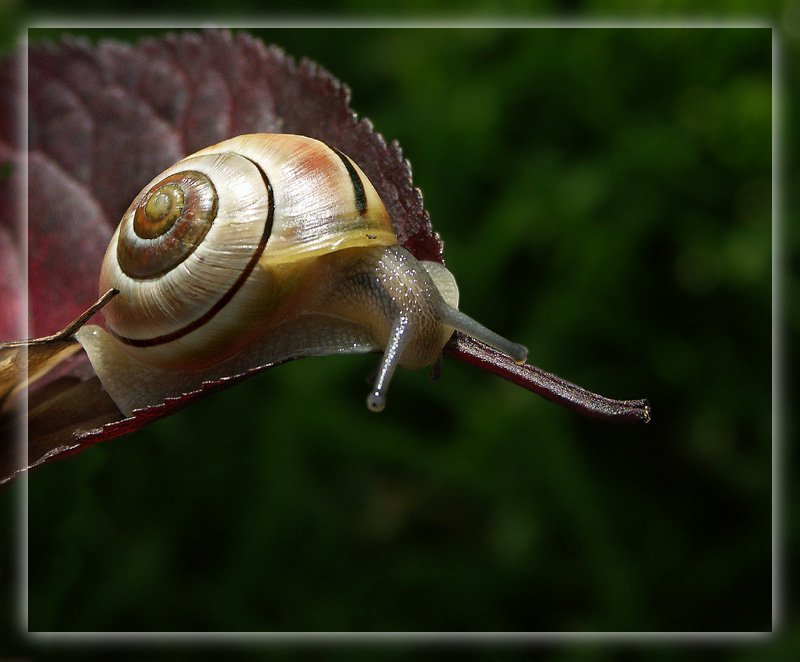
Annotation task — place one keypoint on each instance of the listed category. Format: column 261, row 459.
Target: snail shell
column 258, row 249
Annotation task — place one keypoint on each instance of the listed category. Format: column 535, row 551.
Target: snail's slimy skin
column 260, row 249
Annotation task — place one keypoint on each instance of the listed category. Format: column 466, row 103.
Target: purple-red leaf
column 103, row 121
column 12, row 284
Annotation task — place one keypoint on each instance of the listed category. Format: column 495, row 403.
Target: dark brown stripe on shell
column 358, row 186
column 232, row 290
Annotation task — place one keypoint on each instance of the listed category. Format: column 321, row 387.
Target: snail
column 262, row 248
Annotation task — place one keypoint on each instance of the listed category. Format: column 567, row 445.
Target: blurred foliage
column 605, row 197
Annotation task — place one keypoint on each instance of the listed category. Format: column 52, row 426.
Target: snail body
column 258, row 249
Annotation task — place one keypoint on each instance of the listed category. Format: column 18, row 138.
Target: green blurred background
column 604, row 196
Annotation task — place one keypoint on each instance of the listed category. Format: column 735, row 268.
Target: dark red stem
column 549, row 386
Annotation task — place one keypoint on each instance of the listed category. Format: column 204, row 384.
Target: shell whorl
column 199, row 254
column 170, row 220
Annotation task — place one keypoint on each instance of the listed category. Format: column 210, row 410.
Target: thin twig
column 71, row 329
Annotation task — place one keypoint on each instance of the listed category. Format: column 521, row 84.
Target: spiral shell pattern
column 170, row 220
column 199, row 255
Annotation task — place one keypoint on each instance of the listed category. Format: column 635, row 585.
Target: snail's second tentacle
column 461, row 322
column 402, row 333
